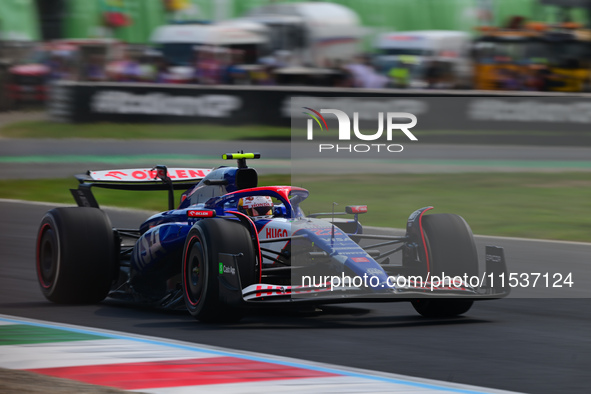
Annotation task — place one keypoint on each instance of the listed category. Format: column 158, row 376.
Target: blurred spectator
column 124, row 70
column 508, row 79
column 532, row 80
column 375, row 80
column 208, row 66
column 342, row 76
column 94, row 69
column 544, row 78
column 365, row 75
column 161, row 70
column 131, row 70
column 400, row 74
column 263, row 75
column 61, row 65
column 235, row 72
column 148, row 66
column 114, row 70
column 57, row 67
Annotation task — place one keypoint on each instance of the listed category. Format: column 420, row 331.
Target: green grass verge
column 58, row 191
column 43, row 129
column 531, row 205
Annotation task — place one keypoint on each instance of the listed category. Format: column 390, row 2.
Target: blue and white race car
column 230, row 246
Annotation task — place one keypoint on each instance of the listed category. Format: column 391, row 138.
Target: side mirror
column 356, row 209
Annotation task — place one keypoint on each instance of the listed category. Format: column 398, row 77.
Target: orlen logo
column 196, row 213
column 345, row 130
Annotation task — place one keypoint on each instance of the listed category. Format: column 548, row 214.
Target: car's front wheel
column 451, row 252
column 205, row 241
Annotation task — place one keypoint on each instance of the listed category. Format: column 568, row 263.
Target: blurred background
column 181, row 81
column 111, row 84
column 531, row 45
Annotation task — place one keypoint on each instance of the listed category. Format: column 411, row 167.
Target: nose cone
column 325, row 251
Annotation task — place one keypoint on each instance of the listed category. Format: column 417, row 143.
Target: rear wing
column 158, row 178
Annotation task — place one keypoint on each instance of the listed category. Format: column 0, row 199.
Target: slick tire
column 75, row 255
column 200, row 283
column 451, row 251
column 441, row 308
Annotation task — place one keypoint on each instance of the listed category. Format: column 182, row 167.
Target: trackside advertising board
column 270, row 105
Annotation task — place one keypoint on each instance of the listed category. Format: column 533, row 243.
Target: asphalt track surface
column 528, row 345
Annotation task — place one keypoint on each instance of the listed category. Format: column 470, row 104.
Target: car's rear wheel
column 451, row 251
column 75, row 257
column 205, row 241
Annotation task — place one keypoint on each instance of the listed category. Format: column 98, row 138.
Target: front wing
column 231, row 290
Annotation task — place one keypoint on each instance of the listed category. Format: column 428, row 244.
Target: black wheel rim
column 47, row 258
column 194, row 274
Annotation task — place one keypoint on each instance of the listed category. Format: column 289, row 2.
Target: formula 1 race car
column 231, row 245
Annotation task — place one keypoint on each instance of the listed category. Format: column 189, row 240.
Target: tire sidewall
column 448, row 237
column 196, row 236
column 85, row 257
column 215, row 236
column 462, row 249
column 48, row 224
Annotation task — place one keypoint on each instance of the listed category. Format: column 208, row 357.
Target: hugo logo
column 275, row 233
